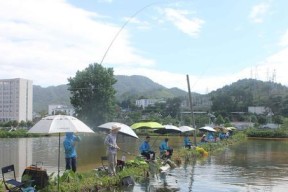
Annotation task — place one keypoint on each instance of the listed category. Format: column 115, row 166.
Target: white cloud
column 49, row 40
column 258, row 12
column 182, row 22
column 272, row 67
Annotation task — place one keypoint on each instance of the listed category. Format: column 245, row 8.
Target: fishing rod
column 155, row 141
column 129, row 153
column 122, row 27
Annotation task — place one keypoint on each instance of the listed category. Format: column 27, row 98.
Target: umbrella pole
column 59, row 163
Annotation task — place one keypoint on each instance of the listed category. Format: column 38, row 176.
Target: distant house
column 242, row 125
column 145, row 102
column 258, row 110
column 270, row 126
column 200, row 103
column 54, row 109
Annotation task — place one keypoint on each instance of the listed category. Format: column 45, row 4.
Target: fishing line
column 118, row 33
column 122, row 27
column 114, row 39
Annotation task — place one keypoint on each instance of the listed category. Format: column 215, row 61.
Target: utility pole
column 191, row 109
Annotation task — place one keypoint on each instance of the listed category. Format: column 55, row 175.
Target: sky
column 214, row 43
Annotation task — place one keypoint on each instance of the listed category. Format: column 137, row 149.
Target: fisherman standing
column 112, row 147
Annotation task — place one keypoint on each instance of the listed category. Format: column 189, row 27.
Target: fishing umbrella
column 147, row 125
column 60, row 124
column 125, row 129
column 231, row 128
column 186, row 129
column 207, row 128
column 168, row 129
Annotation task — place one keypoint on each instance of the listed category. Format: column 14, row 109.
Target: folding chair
column 11, row 184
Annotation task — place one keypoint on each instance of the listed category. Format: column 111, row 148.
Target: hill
column 42, row 97
column 234, row 97
column 127, row 87
column 249, row 92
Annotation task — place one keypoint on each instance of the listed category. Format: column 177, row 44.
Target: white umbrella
column 207, row 128
column 168, row 129
column 125, row 129
column 231, row 128
column 186, row 129
column 60, row 124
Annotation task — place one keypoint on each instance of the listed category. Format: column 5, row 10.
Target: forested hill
column 131, row 87
column 250, row 92
column 234, row 97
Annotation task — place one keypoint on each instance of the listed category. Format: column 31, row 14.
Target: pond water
column 256, row 165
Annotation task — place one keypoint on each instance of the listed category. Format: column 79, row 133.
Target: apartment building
column 16, row 99
column 145, row 102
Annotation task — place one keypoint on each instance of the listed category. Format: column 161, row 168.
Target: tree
column 93, row 95
column 22, row 124
column 173, row 107
column 219, row 120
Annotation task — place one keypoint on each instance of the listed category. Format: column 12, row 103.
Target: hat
column 115, row 127
column 204, row 135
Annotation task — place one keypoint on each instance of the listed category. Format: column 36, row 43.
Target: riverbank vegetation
column 205, row 149
column 267, row 133
column 281, row 132
column 18, row 133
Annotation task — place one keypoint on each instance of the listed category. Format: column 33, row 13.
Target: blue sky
column 214, row 42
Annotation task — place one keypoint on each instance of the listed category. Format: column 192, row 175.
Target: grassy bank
column 267, row 133
column 19, row 133
column 204, row 149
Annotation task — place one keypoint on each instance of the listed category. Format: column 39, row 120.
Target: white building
column 16, row 100
column 145, row 102
column 54, row 109
column 259, row 110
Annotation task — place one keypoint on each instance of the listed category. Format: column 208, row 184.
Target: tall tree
column 173, row 107
column 93, row 95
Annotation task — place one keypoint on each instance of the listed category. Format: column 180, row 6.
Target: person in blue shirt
column 210, row 137
column 165, row 150
column 222, row 136
column 70, row 152
column 145, row 149
column 112, row 148
column 187, row 142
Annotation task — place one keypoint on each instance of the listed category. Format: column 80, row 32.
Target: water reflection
column 17, row 152
column 256, row 165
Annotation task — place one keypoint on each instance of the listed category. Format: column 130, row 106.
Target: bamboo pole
column 191, row 109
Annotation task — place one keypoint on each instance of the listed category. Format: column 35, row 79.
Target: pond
column 256, row 165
